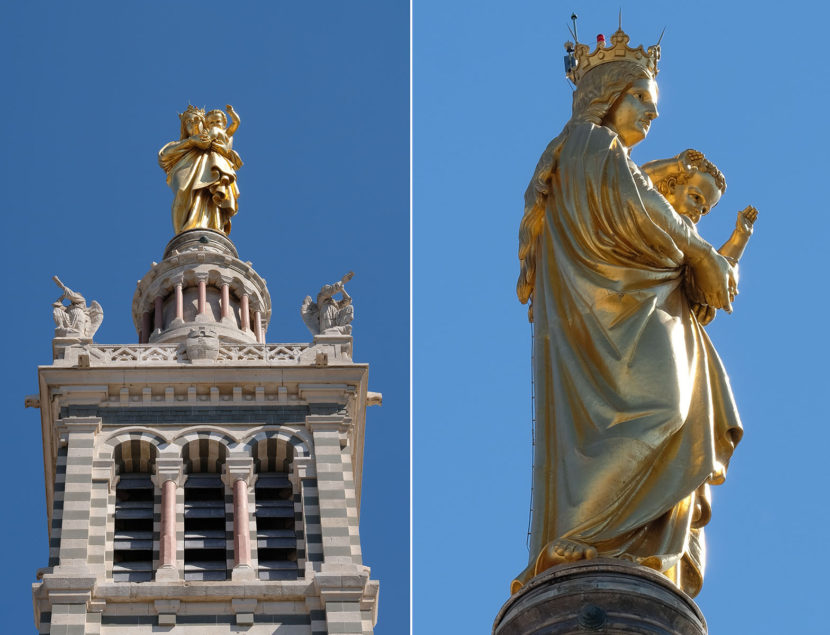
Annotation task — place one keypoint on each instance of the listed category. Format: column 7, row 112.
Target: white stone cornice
column 325, row 393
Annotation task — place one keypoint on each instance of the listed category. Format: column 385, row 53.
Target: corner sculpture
column 635, row 417
column 201, row 170
column 327, row 315
column 77, row 319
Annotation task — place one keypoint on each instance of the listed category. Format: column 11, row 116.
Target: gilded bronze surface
column 635, row 417
column 201, row 170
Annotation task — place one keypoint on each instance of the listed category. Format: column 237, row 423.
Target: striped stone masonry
column 121, row 559
column 78, row 433
column 335, row 486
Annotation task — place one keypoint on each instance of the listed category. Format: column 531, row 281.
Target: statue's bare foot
column 554, row 553
column 563, row 550
column 570, row 550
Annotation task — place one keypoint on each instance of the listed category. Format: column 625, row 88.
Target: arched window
column 132, row 559
column 205, row 537
column 276, row 523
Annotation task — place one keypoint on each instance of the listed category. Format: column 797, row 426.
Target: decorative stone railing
column 165, row 354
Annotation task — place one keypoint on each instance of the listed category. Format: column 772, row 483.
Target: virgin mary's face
column 193, row 125
column 632, row 114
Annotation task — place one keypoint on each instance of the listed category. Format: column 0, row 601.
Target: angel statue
column 327, row 315
column 77, row 319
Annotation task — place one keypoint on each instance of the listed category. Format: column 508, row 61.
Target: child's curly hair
column 667, row 184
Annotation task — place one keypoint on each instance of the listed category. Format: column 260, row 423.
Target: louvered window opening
column 204, row 528
column 276, row 533
column 133, row 537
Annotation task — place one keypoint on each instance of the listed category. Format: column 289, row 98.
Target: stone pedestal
column 600, row 596
column 200, row 284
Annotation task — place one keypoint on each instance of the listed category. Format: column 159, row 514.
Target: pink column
column 167, row 542
column 202, row 295
column 144, row 335
column 245, row 313
column 226, row 300
column 159, row 317
column 241, row 532
column 258, row 327
column 179, row 302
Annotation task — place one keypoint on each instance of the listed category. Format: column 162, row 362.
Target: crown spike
column 660, row 39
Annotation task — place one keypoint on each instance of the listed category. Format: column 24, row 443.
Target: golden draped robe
column 204, row 187
column 634, row 411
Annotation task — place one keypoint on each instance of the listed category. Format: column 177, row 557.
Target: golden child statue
column 693, row 186
column 200, row 169
column 634, row 412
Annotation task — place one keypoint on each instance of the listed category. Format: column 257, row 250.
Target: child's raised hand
column 690, row 157
column 746, row 219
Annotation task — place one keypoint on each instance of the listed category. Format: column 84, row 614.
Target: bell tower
column 204, row 480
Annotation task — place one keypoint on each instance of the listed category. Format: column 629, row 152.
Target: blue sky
column 92, row 92
column 742, row 82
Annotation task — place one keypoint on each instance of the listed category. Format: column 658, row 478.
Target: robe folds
column 204, row 187
column 634, row 412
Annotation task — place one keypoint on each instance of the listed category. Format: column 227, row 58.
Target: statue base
column 603, row 596
column 201, row 240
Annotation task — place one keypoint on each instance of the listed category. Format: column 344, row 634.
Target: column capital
column 238, row 468
column 177, row 280
column 225, row 279
column 169, row 469
column 104, row 470
column 201, row 276
column 328, row 423
column 77, row 425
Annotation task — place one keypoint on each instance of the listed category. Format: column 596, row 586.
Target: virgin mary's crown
column 192, row 110
column 579, row 59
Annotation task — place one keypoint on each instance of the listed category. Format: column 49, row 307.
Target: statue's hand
column 746, row 220
column 201, row 141
column 704, row 313
column 715, row 281
column 690, row 157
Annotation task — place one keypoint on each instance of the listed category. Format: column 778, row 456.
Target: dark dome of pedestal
column 600, row 596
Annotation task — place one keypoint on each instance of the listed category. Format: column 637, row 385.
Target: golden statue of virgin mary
column 201, row 170
column 634, row 413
